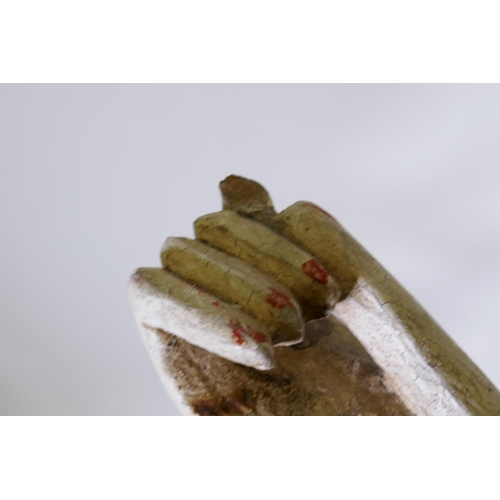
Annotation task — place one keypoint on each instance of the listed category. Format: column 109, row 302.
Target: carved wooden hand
column 286, row 314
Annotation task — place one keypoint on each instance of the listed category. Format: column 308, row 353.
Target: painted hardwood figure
column 225, row 332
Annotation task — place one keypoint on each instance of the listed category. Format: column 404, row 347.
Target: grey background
column 93, row 178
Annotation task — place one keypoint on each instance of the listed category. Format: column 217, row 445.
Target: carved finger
column 246, row 197
column 237, row 282
column 313, row 286
column 161, row 300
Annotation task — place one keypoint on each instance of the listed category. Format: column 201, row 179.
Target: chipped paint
column 279, row 300
column 316, row 271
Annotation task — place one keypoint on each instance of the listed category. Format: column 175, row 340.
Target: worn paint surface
column 162, row 300
column 247, row 198
column 236, row 282
column 436, row 376
column 253, row 242
column 329, row 374
column 368, row 347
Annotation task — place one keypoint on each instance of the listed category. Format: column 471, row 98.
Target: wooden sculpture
column 269, row 313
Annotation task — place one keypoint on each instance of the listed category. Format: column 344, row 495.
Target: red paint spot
column 238, row 337
column 215, row 303
column 316, row 271
column 279, row 300
column 238, row 332
column 136, row 278
column 259, row 337
column 320, row 210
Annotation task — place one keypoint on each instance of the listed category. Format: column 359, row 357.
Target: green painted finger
column 315, row 230
column 237, row 282
column 312, row 285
